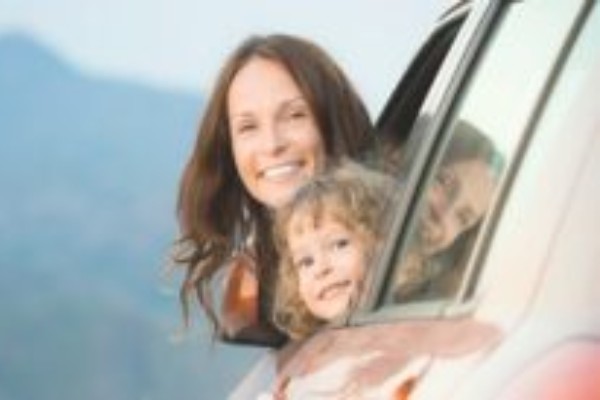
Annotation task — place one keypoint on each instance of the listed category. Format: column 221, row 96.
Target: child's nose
column 323, row 269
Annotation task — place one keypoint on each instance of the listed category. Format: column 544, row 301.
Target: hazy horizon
column 180, row 45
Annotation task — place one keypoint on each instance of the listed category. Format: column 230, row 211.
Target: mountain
column 89, row 169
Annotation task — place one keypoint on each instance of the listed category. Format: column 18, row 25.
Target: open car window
column 398, row 117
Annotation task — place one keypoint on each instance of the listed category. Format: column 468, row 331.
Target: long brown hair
column 215, row 213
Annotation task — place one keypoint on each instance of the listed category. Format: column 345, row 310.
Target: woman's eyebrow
column 299, row 100
column 288, row 104
column 284, row 105
column 240, row 115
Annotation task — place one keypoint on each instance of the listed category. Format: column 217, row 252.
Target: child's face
column 330, row 260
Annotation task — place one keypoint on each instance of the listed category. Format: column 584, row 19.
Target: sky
column 180, row 44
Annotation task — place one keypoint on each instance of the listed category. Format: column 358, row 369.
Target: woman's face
column 330, row 260
column 456, row 201
column 276, row 143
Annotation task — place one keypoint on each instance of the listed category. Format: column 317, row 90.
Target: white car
column 507, row 304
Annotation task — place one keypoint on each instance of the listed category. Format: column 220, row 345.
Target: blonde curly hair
column 352, row 194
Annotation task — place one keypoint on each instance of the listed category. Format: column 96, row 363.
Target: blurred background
column 99, row 103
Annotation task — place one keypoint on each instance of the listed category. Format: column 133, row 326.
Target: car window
column 398, row 117
column 480, row 140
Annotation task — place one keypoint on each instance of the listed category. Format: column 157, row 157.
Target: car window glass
column 559, row 157
column 481, row 138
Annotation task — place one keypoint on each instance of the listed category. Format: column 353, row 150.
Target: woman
column 280, row 111
column 455, row 203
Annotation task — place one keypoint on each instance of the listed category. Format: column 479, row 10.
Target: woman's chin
column 277, row 197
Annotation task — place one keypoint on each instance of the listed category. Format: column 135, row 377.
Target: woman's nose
column 438, row 215
column 274, row 140
column 447, row 231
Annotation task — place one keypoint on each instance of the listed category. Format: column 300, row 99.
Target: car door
column 494, row 82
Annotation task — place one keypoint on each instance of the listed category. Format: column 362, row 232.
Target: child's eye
column 303, row 262
column 341, row 243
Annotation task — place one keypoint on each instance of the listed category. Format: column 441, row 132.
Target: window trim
column 466, row 298
column 429, row 124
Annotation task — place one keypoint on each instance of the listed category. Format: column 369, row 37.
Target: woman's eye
column 446, row 180
column 244, row 128
column 465, row 218
column 296, row 114
column 443, row 178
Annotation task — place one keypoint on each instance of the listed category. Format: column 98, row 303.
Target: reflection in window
column 485, row 130
column 457, row 196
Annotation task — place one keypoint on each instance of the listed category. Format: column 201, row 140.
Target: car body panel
column 363, row 361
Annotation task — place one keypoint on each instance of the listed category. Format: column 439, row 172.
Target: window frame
column 434, row 133
column 478, row 20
